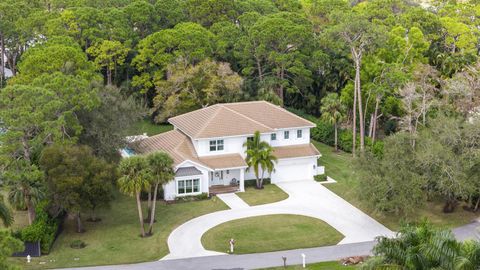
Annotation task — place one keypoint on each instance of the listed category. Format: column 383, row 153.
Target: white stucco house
column 207, row 147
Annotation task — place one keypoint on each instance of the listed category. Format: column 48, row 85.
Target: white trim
column 195, row 163
column 302, row 127
column 230, row 168
column 317, row 156
column 184, row 178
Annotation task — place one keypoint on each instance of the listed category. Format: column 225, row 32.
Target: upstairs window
column 299, row 133
column 286, row 134
column 216, row 145
column 273, row 137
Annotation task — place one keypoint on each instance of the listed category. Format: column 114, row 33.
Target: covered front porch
column 226, row 180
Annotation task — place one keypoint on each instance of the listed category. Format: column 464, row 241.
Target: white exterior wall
column 234, row 145
column 289, row 169
column 294, row 169
column 170, row 189
column 292, row 140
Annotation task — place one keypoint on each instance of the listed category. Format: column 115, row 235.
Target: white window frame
column 299, row 133
column 216, row 145
column 184, row 181
column 273, row 137
column 286, row 134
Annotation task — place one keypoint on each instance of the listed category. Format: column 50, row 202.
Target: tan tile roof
column 292, row 151
column 242, row 118
column 180, row 148
column 224, row 161
column 173, row 142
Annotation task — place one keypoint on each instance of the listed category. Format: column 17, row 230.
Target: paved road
column 249, row 261
column 466, row 232
column 308, row 198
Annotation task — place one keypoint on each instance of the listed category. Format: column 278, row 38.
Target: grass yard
column 115, row 240
column 339, row 167
column 146, row 126
column 316, row 266
column 271, row 233
column 269, row 194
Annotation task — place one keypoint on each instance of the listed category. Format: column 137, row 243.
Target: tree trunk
column 375, row 119
column 336, row 137
column 140, row 214
column 359, row 99
column 354, row 120
column 2, row 60
column 79, row 224
column 149, row 205
column 152, row 215
column 26, row 149
column 109, row 76
column 93, row 214
column 30, row 210
column 261, row 179
column 259, row 68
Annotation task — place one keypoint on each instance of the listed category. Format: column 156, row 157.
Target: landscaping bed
column 271, row 233
column 269, row 194
column 338, row 165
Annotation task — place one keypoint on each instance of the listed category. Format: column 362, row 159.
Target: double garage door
column 287, row 170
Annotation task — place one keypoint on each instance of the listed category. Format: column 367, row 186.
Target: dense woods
column 395, row 82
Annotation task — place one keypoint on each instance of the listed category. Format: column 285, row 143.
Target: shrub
column 253, row 182
column 192, row 198
column 320, row 177
column 323, row 132
column 77, row 244
column 43, row 229
column 345, row 141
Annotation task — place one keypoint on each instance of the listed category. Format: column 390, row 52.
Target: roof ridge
column 209, row 120
column 191, row 112
column 255, row 121
column 285, row 110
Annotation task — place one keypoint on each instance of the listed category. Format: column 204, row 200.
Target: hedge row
column 43, row 229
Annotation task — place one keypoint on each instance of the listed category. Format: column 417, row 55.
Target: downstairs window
column 188, row 186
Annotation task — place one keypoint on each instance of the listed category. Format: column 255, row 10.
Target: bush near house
column 43, row 229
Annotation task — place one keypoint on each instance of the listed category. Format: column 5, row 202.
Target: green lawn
column 339, row 167
column 146, row 126
column 269, row 194
column 115, row 240
column 316, row 266
column 271, row 233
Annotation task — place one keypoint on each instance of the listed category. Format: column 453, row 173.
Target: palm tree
column 259, row 155
column 333, row 112
column 26, row 187
column 5, row 213
column 135, row 178
column 161, row 168
column 423, row 247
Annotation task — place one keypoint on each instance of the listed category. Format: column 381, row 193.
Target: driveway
column 307, row 198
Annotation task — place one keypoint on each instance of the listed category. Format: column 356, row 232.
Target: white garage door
column 286, row 171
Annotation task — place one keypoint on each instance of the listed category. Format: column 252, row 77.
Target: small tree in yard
column 135, row 178
column 333, row 112
column 259, row 156
column 76, row 179
column 161, row 168
column 26, row 189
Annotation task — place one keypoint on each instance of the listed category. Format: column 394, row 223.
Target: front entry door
column 216, row 178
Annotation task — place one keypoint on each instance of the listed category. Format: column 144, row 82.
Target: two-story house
column 207, row 146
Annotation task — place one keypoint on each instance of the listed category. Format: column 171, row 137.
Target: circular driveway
column 307, row 198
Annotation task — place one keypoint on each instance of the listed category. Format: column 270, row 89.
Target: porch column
column 242, row 180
